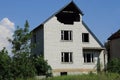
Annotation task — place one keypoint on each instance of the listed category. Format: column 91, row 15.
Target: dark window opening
column 66, row 57
column 67, row 17
column 71, row 57
column 63, row 73
column 70, row 35
column 66, row 35
column 85, row 37
column 92, row 58
column 88, row 58
column 69, row 14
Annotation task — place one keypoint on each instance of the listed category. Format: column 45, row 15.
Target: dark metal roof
column 71, row 4
column 116, row 35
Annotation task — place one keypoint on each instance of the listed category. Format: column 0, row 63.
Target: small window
column 66, row 57
column 63, row 73
column 66, row 35
column 85, row 37
column 88, row 57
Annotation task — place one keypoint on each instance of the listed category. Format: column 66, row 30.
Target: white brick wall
column 53, row 46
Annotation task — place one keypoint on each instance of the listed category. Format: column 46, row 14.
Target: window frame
column 66, row 32
column 85, row 37
column 86, row 57
column 69, row 56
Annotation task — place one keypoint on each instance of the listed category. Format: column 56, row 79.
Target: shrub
column 42, row 67
column 5, row 65
column 114, row 65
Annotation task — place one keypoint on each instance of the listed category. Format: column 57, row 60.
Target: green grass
column 102, row 76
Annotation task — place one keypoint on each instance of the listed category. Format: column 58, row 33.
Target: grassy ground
column 102, row 76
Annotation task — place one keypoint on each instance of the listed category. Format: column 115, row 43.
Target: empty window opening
column 88, row 57
column 66, row 57
column 69, row 14
column 66, row 35
column 68, row 18
column 85, row 37
column 63, row 73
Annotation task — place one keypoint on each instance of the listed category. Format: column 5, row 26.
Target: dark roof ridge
column 115, row 35
column 92, row 34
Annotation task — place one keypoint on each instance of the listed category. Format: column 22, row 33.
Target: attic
column 69, row 14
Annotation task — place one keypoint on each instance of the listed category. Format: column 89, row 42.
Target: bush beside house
column 21, row 64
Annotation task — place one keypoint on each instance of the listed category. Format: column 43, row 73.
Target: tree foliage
column 114, row 65
column 42, row 67
column 5, row 65
column 21, row 40
column 22, row 63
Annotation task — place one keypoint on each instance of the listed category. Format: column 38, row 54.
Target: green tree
column 42, row 67
column 22, row 64
column 21, row 40
column 114, row 65
column 5, row 65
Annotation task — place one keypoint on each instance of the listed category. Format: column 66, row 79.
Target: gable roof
column 70, row 4
column 116, row 35
column 66, row 7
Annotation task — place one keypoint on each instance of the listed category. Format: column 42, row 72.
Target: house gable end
column 92, row 34
column 66, row 7
column 69, row 14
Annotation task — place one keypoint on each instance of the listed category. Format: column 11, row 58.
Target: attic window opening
column 68, row 17
column 67, row 11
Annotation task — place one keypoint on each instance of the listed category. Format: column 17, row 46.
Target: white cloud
column 6, row 31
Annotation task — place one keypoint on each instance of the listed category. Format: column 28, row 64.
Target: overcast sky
column 101, row 16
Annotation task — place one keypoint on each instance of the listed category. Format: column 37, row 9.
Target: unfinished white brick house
column 67, row 43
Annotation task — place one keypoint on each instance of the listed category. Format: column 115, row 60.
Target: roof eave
column 92, row 34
